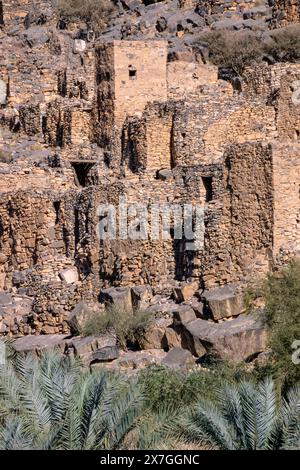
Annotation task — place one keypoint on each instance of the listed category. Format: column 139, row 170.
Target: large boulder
column 79, row 46
column 117, row 297
column 37, row 36
column 106, row 354
column 154, row 336
column 69, row 275
column 141, row 296
column 94, row 348
column 139, row 359
column 178, row 358
column 186, row 291
column 80, row 314
column 183, row 314
column 223, row 302
column 37, row 344
column 236, row 340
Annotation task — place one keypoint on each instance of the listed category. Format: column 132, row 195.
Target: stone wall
column 285, row 12
column 286, row 183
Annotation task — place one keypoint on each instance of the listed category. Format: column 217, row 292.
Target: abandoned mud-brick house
column 118, row 120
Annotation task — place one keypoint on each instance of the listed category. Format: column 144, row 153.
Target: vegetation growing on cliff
column 238, row 50
column 94, row 13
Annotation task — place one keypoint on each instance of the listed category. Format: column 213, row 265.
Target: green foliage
column 95, row 13
column 52, row 403
column 246, row 416
column 238, row 50
column 282, row 314
column 232, row 50
column 128, row 326
column 285, row 44
column 163, row 387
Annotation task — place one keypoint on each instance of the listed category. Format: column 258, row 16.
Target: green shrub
column 163, row 387
column 285, row 44
column 282, row 315
column 95, row 13
column 232, row 50
column 128, row 326
column 238, row 50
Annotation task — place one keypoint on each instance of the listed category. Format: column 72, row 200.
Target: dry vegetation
column 95, row 13
column 236, row 51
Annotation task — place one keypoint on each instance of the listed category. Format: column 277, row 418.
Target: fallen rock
column 165, row 175
column 183, row 314
column 141, row 296
column 36, row 344
column 118, row 297
column 236, row 340
column 79, row 46
column 106, row 354
column 223, row 302
column 69, row 275
column 86, row 345
column 154, row 336
column 173, row 337
column 80, row 313
column 186, row 291
column 178, row 358
column 140, row 359
column 37, row 36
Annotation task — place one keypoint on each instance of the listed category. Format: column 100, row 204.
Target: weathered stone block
column 223, row 302
column 178, row 358
column 117, row 297
column 79, row 46
column 183, row 315
column 154, row 336
column 69, row 275
column 36, row 344
column 141, row 296
column 186, row 291
column 235, row 340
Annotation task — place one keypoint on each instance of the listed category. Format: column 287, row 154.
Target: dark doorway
column 82, row 169
column 207, row 183
column 1, row 14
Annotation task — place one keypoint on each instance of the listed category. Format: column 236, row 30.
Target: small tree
column 285, row 44
column 95, row 13
column 282, row 315
column 232, row 50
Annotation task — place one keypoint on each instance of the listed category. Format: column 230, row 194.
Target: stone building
column 118, row 120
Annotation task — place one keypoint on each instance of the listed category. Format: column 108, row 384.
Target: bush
column 5, row 156
column 238, row 50
column 282, row 315
column 285, row 45
column 232, row 50
column 129, row 327
column 95, row 13
column 171, row 389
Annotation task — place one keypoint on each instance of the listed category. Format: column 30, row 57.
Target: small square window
column 132, row 72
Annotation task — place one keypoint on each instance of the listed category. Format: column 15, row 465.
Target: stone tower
column 129, row 75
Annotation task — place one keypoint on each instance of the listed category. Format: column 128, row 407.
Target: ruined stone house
column 118, row 119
